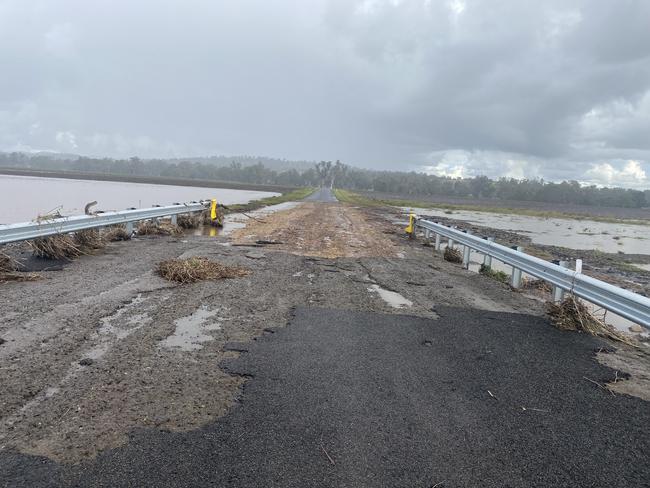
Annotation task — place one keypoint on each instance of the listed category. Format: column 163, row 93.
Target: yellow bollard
column 410, row 229
column 213, row 209
column 216, row 217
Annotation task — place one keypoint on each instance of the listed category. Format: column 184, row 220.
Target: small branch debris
column 599, row 385
column 325, row 451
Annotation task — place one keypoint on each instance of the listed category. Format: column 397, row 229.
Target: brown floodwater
column 23, row 198
column 610, row 237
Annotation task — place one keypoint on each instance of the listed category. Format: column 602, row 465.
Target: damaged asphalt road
column 353, row 399
column 113, row 372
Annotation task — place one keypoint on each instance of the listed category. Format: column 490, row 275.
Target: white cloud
column 67, row 140
column 630, row 174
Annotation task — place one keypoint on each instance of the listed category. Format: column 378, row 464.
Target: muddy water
column 574, row 234
column 23, row 198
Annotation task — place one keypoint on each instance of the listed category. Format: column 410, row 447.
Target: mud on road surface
column 104, row 346
column 328, row 230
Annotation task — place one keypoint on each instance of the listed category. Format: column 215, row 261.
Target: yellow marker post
column 410, row 229
column 213, row 209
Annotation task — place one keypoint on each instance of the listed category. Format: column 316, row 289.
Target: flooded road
column 573, row 234
column 22, row 198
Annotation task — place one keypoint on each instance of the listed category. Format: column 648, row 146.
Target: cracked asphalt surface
column 359, row 399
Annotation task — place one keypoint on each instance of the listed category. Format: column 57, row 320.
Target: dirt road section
column 328, row 230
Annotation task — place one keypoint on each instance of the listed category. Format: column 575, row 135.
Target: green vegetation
column 495, row 275
column 362, row 200
column 291, row 196
column 347, row 196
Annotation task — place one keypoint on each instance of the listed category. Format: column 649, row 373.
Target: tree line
column 328, row 173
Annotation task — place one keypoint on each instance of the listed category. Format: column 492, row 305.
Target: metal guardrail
column 625, row 303
column 62, row 225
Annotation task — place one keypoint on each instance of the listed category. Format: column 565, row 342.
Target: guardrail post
column 174, row 219
column 450, row 242
column 487, row 259
column 129, row 228
column 437, row 242
column 515, row 280
column 466, row 253
column 558, row 293
column 427, row 235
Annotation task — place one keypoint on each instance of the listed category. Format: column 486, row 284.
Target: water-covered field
column 23, row 198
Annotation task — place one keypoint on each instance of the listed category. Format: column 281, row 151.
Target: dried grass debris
column 535, row 284
column 453, row 255
column 189, row 221
column 153, row 228
column 116, row 233
column 19, row 276
column 89, row 240
column 9, row 270
column 196, row 269
column 7, row 263
column 572, row 314
column 59, row 246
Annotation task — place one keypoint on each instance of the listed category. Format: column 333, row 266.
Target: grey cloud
column 550, row 89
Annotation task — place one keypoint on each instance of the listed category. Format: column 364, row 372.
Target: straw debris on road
column 117, row 233
column 59, row 246
column 572, row 314
column 196, row 269
column 189, row 221
column 89, row 240
column 152, row 228
column 453, row 255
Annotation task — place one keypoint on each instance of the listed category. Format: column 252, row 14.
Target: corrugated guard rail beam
column 62, row 225
column 625, row 303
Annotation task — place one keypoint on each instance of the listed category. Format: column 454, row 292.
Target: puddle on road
column 191, row 331
column 392, row 298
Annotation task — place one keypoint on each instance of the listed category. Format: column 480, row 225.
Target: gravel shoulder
column 86, row 357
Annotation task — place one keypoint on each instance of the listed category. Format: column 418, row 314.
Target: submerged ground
column 349, row 356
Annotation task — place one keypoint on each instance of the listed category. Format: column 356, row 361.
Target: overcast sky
column 543, row 88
